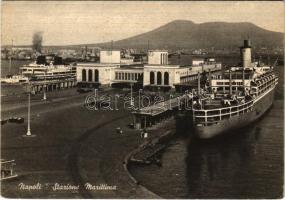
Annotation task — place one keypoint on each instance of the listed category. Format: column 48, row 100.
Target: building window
column 96, row 75
column 126, row 76
column 166, row 78
column 136, row 76
column 140, row 77
column 133, row 78
column 116, row 75
column 158, row 78
column 90, row 75
column 129, row 76
column 123, row 76
column 119, row 76
column 151, row 78
column 83, row 75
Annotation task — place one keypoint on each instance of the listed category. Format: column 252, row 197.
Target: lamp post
column 95, row 92
column 29, row 133
column 45, row 88
column 29, row 115
column 158, row 91
column 132, row 102
column 140, row 90
column 95, row 98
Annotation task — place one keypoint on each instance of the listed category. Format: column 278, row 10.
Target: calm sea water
column 15, row 65
column 247, row 163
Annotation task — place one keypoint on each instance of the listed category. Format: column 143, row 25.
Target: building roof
column 158, row 50
column 132, row 66
column 162, row 66
column 96, row 64
column 110, row 50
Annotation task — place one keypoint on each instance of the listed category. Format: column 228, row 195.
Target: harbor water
column 246, row 163
column 15, row 65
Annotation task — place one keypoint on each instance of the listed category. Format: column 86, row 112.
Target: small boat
column 15, row 79
column 7, row 171
column 3, row 121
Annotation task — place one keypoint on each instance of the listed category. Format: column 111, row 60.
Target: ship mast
column 198, row 83
column 275, row 62
column 10, row 60
column 210, row 79
column 230, row 71
column 243, row 82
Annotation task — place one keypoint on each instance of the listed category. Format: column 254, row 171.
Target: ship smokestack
column 245, row 52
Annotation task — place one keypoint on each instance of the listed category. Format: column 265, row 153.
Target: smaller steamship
column 45, row 68
column 234, row 99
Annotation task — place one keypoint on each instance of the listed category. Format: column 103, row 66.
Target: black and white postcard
column 142, row 99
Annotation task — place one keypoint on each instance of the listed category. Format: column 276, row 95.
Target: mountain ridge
column 185, row 34
column 180, row 34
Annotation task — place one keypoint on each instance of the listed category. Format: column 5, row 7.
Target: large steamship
column 234, row 99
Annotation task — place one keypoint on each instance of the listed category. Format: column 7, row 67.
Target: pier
column 151, row 115
column 52, row 85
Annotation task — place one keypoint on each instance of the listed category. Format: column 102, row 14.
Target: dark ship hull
column 260, row 106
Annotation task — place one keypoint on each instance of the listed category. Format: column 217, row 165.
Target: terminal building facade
column 113, row 70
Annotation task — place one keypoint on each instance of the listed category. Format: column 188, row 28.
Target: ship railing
column 267, row 85
column 215, row 115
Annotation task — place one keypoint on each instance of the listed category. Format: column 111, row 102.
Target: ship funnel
column 245, row 52
column 246, row 43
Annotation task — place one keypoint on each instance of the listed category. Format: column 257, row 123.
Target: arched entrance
column 158, row 78
column 83, row 75
column 90, row 75
column 166, row 78
column 96, row 75
column 151, row 78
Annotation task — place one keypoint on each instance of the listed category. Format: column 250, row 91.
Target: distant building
column 198, row 61
column 22, row 49
column 95, row 74
column 113, row 70
column 110, row 56
column 157, row 57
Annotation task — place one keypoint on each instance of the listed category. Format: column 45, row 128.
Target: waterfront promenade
column 73, row 146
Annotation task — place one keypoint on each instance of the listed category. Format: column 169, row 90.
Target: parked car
column 131, row 125
column 18, row 120
column 84, row 90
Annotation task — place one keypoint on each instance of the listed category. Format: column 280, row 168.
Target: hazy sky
column 91, row 22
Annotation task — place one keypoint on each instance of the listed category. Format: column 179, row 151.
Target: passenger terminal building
column 115, row 71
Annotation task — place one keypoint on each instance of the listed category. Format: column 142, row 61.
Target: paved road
column 72, row 146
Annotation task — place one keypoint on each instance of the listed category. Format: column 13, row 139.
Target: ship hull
column 261, row 105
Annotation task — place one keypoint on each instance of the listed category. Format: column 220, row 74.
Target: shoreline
column 138, row 150
column 140, row 190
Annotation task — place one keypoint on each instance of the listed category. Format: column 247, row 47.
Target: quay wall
column 152, row 141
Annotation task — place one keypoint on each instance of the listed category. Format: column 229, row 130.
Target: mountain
column 186, row 34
